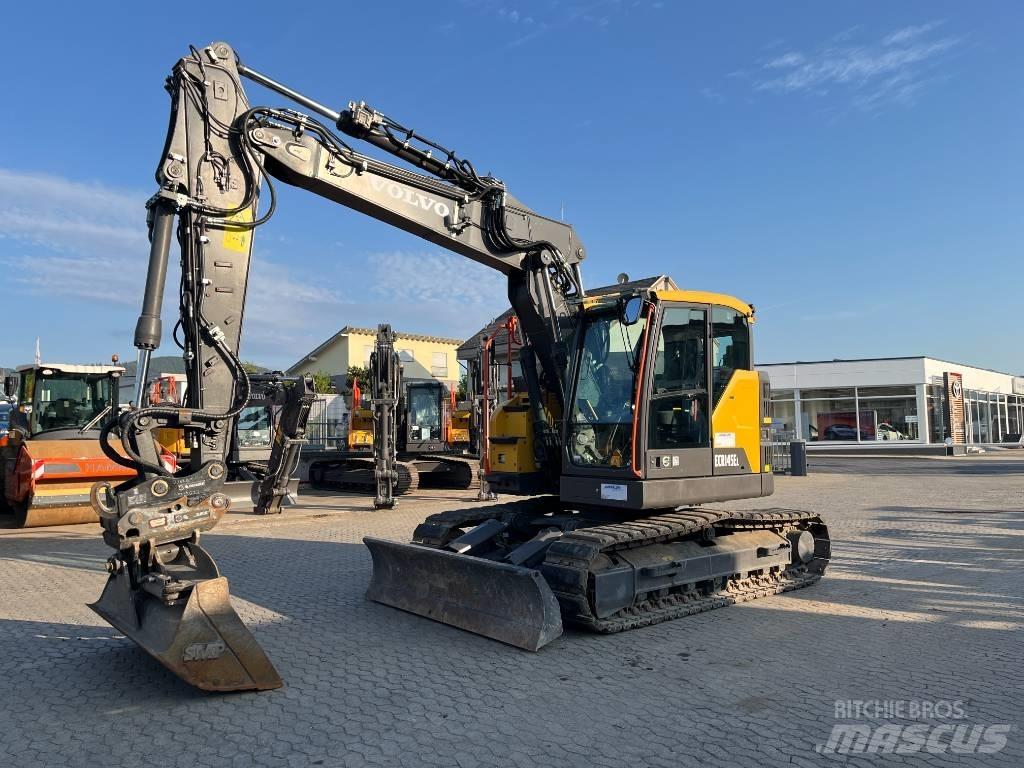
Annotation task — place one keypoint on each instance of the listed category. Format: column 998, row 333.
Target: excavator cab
column 666, row 407
column 426, row 417
column 663, row 407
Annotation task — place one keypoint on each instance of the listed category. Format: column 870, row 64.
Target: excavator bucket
column 497, row 600
column 202, row 641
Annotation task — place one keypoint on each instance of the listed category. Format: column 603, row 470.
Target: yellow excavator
column 639, row 405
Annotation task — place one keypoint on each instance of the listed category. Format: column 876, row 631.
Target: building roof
column 352, row 330
column 882, row 360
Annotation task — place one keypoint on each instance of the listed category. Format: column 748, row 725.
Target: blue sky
column 853, row 169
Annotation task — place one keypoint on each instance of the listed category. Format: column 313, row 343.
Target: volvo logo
column 410, row 196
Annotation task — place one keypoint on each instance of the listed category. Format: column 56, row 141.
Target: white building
column 894, row 398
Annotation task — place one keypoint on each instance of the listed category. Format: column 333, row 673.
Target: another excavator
column 417, row 427
column 638, row 406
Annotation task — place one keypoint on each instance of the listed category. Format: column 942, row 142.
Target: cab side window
column 679, row 396
column 730, row 342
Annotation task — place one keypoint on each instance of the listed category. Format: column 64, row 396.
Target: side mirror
column 629, row 310
column 10, row 385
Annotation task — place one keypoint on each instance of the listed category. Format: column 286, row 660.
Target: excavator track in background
column 356, row 476
column 463, row 472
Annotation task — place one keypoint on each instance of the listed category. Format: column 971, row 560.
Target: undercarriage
column 592, row 568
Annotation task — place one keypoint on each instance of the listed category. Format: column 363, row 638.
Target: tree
column 463, row 391
column 322, row 383
column 251, row 367
column 358, row 372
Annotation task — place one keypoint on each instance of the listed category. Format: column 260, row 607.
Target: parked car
column 889, row 432
column 843, row 432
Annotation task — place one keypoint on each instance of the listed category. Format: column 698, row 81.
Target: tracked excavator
column 406, row 424
column 638, row 406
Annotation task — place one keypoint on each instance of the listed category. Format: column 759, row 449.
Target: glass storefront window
column 888, row 418
column 782, row 394
column 1013, row 420
column 936, row 420
column 834, row 420
column 980, row 429
column 783, row 416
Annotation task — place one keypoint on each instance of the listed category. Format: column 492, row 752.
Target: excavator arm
column 164, row 590
column 293, row 398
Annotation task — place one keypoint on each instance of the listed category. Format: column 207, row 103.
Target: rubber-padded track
column 331, row 476
column 569, row 560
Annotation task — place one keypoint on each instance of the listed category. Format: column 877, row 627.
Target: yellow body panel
column 360, row 428
column 511, row 437
column 692, row 297
column 173, row 440
column 707, row 297
column 461, row 419
column 738, row 413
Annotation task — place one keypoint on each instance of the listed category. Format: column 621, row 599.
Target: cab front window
column 66, row 400
column 601, row 417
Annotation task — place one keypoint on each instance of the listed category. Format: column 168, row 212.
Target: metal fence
column 779, row 452
column 323, row 433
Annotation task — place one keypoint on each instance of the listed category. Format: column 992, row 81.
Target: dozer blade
column 497, row 600
column 203, row 642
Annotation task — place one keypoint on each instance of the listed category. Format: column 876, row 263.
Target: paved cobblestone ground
column 923, row 602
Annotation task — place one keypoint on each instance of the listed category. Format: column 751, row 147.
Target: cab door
column 735, row 395
column 678, row 415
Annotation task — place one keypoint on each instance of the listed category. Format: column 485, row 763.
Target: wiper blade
column 94, row 421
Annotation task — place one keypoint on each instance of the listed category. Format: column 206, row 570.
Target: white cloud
column 66, row 241
column 791, row 59
column 909, row 33
column 548, row 17
column 437, row 278
column 893, row 69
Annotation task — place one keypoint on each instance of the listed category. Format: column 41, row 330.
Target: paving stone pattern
column 923, row 602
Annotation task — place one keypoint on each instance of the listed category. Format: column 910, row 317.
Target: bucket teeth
column 200, row 639
column 498, row 600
